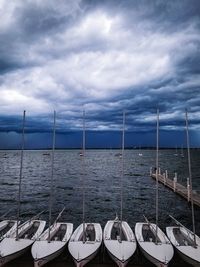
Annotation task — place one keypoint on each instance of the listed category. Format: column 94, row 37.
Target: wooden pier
column 179, row 189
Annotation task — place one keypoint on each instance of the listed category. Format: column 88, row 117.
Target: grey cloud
column 105, row 55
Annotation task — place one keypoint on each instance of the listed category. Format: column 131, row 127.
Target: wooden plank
column 180, row 189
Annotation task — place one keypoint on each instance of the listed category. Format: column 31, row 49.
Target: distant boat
column 87, row 238
column 186, row 242
column 176, row 152
column 118, row 155
column 118, row 237
column 46, row 154
column 53, row 241
column 182, row 152
column 140, row 154
column 20, row 240
column 153, row 243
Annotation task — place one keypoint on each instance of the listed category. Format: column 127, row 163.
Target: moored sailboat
column 118, row 237
column 87, row 238
column 152, row 241
column 122, row 246
column 21, row 239
column 53, row 241
column 186, row 242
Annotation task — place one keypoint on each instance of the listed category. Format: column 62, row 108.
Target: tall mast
column 20, row 176
column 157, row 150
column 190, row 175
column 122, row 176
column 83, row 178
column 52, row 173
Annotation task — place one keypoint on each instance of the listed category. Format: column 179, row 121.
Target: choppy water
column 102, row 185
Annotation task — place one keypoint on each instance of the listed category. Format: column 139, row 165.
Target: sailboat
column 118, row 237
column 18, row 242
column 53, row 241
column 176, row 152
column 87, row 238
column 186, row 242
column 152, row 241
column 182, row 152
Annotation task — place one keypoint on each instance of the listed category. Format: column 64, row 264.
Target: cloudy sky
column 105, row 56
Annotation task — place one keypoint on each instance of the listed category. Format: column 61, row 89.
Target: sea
column 105, row 180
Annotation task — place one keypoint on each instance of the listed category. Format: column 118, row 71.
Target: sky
column 103, row 56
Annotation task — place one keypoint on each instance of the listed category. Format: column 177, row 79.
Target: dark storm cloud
column 105, row 56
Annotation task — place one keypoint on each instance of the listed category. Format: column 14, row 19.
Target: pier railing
column 181, row 190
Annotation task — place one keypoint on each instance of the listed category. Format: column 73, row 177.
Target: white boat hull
column 83, row 252
column 188, row 259
column 119, row 250
column 117, row 261
column 10, row 248
column 187, row 252
column 152, row 259
column 43, row 261
column 83, row 262
column 44, row 251
column 16, row 254
column 160, row 253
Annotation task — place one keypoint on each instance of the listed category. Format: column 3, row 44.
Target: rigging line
column 122, row 177
column 52, row 173
column 190, row 175
column 83, row 179
column 20, row 176
column 157, row 148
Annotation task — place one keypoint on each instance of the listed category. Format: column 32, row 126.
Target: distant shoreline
column 97, row 148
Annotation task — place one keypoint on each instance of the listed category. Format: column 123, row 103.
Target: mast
column 20, row 177
column 52, row 172
column 190, row 175
column 157, row 148
column 83, row 179
column 121, row 180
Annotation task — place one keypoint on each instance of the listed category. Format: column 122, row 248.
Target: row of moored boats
column 86, row 240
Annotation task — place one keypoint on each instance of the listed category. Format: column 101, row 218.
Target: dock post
column 166, row 174
column 150, row 171
column 159, row 171
column 188, row 189
column 164, row 177
column 175, row 181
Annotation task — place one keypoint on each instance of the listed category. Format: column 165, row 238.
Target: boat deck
column 6, row 228
column 115, row 232
column 148, row 234
column 89, row 232
column 60, row 233
column 181, row 238
column 30, row 232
